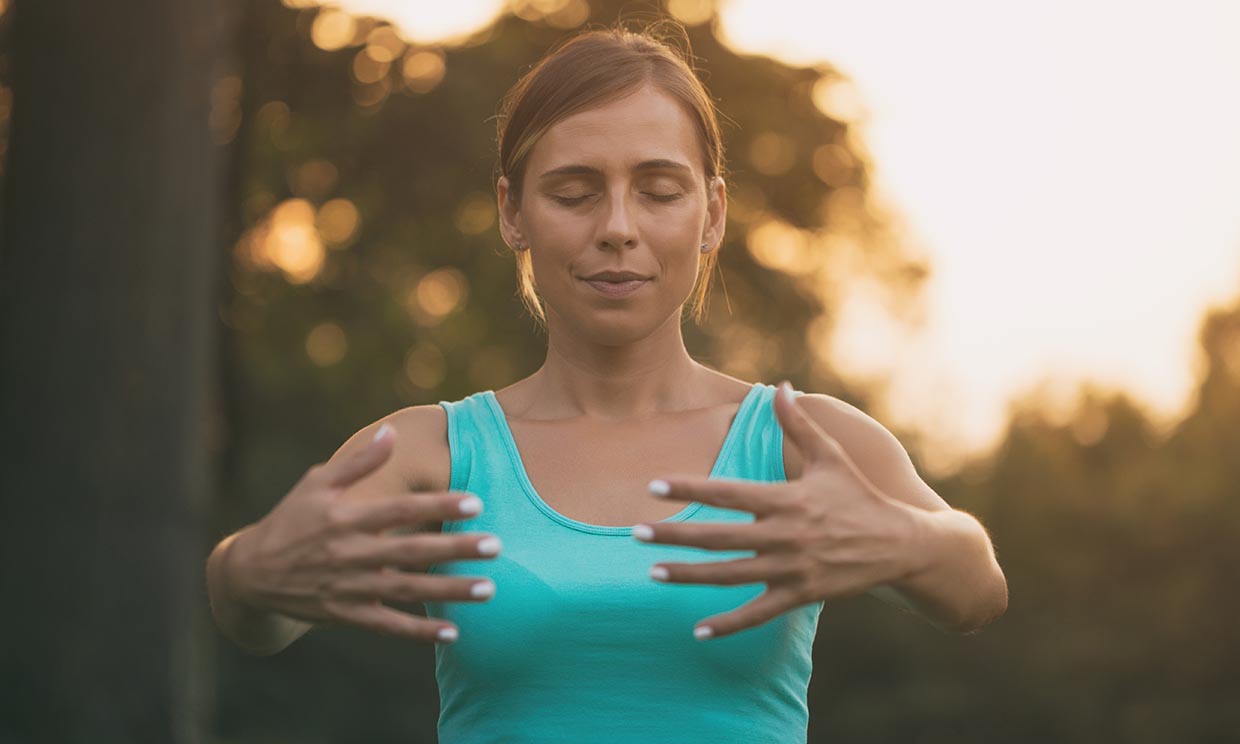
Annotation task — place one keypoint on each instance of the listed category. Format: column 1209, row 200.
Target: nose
column 619, row 230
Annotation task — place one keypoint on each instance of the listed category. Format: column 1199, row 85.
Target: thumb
column 814, row 443
column 365, row 461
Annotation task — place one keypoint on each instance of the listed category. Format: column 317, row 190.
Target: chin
column 609, row 327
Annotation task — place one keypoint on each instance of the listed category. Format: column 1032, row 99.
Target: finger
column 407, row 509
column 404, row 586
column 416, row 552
column 767, row 606
column 814, row 444
column 758, row 497
column 379, row 617
column 365, row 461
column 762, row 569
column 714, row 535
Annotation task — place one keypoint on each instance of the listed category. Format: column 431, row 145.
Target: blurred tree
column 106, row 281
column 1120, row 542
column 367, row 273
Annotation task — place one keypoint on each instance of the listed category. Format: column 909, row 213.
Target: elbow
column 992, row 606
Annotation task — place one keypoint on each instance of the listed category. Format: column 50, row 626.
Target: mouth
column 616, row 288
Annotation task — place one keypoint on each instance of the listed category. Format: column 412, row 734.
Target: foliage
column 1114, row 537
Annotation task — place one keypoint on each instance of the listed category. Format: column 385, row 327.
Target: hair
column 592, row 68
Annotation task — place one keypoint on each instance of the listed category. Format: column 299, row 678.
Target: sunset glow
column 1071, row 172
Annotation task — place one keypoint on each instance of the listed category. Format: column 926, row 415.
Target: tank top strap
column 477, row 446
column 761, row 457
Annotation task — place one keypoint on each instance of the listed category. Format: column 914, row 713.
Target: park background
column 235, row 232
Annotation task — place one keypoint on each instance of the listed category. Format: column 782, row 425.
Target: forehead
column 645, row 125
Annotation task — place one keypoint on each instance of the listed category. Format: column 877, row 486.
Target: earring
column 704, row 249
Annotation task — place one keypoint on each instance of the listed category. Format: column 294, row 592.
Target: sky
column 1070, row 170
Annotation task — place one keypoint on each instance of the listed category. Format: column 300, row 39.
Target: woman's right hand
column 322, row 558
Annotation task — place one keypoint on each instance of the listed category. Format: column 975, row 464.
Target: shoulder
column 875, row 451
column 420, row 459
column 422, row 432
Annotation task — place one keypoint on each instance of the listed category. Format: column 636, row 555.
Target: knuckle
column 802, row 571
column 338, row 516
column 316, row 473
column 803, row 538
column 799, row 500
column 411, row 509
column 789, row 540
column 410, row 551
column 329, row 590
column 336, row 552
column 403, row 589
column 336, row 611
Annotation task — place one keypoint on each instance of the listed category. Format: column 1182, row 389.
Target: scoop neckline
column 510, row 443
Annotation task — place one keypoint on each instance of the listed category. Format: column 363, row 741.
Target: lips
column 616, row 288
column 615, row 276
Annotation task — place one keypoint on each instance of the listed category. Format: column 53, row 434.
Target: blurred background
column 237, row 231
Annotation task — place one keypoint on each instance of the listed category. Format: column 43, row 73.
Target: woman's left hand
column 828, row 534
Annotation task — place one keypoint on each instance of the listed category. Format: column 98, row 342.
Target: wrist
column 233, row 573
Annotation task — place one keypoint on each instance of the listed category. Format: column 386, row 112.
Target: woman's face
column 616, row 188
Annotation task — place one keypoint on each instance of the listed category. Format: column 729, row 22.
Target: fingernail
column 658, row 572
column 659, row 487
column 446, row 634
column 480, row 590
column 702, row 632
column 643, row 532
column 489, row 546
column 384, row 430
column 470, row 505
column 785, row 389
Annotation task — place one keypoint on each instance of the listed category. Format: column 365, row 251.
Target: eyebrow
column 577, row 170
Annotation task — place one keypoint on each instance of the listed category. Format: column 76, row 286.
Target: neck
column 634, row 379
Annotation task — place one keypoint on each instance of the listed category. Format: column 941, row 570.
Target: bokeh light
column 423, row 69
column 436, row 295
column 338, row 222
column 475, row 214
column 425, row 365
column 286, row 240
column 326, row 344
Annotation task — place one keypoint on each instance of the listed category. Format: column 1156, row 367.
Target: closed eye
column 575, row 200
column 571, row 200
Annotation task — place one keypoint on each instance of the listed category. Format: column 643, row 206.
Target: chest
column 597, row 472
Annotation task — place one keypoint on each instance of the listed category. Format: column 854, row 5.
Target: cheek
column 553, row 229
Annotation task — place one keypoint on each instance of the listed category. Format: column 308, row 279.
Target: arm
column 416, row 459
column 959, row 586
column 258, row 632
column 954, row 581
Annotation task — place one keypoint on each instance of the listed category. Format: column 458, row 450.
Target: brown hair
column 589, row 69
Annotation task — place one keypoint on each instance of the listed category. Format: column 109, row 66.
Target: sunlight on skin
column 1072, row 172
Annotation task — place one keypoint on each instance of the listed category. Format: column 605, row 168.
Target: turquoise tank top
column 579, row 645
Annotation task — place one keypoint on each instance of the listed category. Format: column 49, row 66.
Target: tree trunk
column 107, row 293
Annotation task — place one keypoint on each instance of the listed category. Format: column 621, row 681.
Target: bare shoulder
column 420, row 461
column 876, row 452
column 423, row 433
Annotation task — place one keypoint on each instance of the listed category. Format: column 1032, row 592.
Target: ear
column 509, row 216
column 716, row 213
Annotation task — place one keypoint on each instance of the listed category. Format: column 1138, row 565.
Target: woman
column 611, row 194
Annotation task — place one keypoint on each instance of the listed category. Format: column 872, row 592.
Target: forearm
column 956, row 582
column 258, row 632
